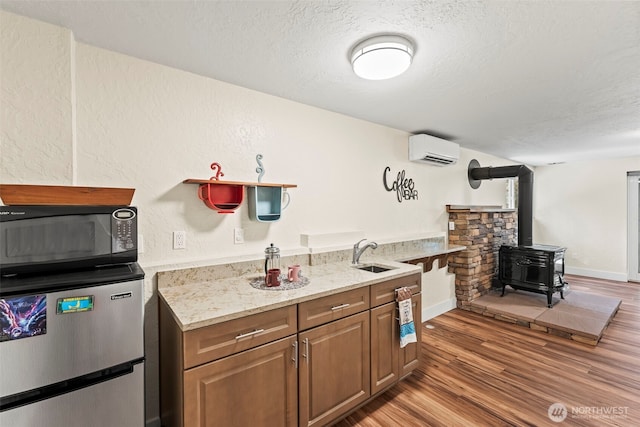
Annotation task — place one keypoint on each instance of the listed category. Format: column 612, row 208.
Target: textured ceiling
column 537, row 82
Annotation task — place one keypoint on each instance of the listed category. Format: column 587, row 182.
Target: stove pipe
column 525, row 193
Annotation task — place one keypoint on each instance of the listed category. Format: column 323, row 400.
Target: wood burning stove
column 535, row 268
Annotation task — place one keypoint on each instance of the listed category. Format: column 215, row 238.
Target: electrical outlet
column 179, row 240
column 452, row 225
column 238, row 236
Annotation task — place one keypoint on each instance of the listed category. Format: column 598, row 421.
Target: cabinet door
column 257, row 387
column 334, row 369
column 410, row 354
column 385, row 347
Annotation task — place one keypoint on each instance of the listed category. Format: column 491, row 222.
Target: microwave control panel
column 125, row 230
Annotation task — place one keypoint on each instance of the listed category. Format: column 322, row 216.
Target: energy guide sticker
column 74, row 304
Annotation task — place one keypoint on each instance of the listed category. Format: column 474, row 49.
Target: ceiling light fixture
column 381, row 57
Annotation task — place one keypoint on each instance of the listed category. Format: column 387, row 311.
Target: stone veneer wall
column 482, row 229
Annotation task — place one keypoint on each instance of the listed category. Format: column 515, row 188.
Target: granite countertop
column 200, row 303
column 419, row 254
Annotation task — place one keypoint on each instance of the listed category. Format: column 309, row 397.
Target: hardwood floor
column 477, row 371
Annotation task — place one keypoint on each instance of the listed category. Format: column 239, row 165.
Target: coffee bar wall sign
column 404, row 187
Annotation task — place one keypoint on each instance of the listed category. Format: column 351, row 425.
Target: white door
column 633, row 259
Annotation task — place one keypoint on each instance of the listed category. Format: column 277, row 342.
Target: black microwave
column 36, row 239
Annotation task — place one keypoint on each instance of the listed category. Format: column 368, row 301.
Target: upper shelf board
column 248, row 184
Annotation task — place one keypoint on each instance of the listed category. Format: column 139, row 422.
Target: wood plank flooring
column 478, row 371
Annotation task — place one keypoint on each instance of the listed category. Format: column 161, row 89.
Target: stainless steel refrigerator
column 72, row 349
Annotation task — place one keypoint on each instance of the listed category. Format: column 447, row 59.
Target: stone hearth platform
column 580, row 316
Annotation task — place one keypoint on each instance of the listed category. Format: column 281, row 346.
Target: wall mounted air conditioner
column 434, row 151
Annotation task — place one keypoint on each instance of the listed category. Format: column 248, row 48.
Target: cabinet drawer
column 222, row 339
column 385, row 292
column 332, row 307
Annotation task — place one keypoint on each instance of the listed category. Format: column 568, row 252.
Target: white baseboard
column 598, row 274
column 153, row 422
column 438, row 309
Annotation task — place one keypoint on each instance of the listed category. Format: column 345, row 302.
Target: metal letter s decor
column 402, row 186
column 260, row 168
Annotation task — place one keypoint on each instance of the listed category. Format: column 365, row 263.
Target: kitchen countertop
column 419, row 254
column 202, row 303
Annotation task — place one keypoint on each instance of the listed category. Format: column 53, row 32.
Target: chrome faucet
column 357, row 250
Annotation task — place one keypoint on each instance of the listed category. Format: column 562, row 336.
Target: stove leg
column 503, row 288
column 549, row 304
column 562, row 284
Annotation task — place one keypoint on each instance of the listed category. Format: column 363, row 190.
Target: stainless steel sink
column 373, row 268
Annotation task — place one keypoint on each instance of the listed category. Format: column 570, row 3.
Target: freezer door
column 118, row 402
column 82, row 330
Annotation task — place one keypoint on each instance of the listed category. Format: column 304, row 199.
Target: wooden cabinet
column 334, row 355
column 258, row 387
column 389, row 362
column 209, row 374
column 334, row 369
column 307, row 364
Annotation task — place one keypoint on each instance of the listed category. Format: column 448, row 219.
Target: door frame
column 633, row 226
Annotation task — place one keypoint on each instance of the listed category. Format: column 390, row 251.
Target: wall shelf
column 246, row 184
column 227, row 196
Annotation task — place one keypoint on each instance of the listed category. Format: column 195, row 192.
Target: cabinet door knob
column 294, row 359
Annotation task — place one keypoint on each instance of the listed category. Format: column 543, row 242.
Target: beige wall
column 36, row 109
column 583, row 206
